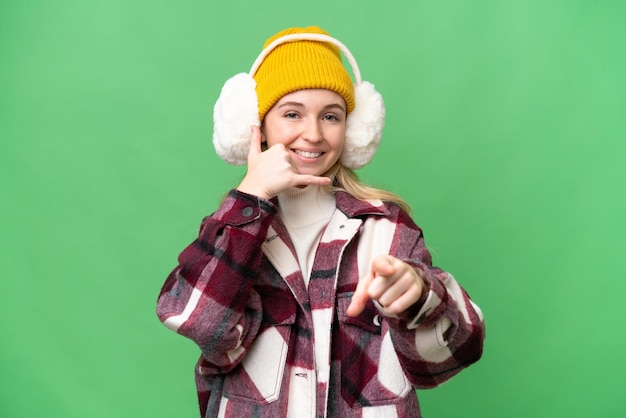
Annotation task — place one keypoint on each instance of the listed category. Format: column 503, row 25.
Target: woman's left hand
column 394, row 284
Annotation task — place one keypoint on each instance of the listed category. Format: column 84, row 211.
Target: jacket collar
column 354, row 207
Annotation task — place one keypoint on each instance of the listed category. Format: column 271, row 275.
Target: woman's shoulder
column 355, row 207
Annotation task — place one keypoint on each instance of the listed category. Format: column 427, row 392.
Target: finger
column 385, row 274
column 384, row 265
column 378, row 287
column 360, row 297
column 392, row 290
column 255, row 141
column 308, row 180
column 403, row 302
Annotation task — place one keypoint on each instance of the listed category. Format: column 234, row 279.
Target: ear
column 263, row 140
column 235, row 111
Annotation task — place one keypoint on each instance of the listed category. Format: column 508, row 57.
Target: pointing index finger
column 360, row 297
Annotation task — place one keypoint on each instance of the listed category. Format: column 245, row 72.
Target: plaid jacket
column 238, row 292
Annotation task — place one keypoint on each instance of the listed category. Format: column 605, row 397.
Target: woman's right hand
column 271, row 172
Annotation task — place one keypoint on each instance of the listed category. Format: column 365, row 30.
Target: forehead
column 312, row 97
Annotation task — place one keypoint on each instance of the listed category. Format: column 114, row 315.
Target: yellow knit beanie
column 301, row 65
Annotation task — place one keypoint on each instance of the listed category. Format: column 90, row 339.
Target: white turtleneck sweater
column 306, row 212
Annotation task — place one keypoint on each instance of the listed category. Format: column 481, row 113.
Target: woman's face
column 311, row 124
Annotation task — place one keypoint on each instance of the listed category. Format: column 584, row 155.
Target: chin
column 313, row 173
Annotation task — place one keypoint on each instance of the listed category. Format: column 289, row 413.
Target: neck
column 300, row 207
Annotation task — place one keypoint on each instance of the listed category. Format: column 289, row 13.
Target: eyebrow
column 298, row 104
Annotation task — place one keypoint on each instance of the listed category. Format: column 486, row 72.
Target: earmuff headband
column 237, row 109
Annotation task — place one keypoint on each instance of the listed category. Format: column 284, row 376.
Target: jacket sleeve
column 444, row 331
column 209, row 296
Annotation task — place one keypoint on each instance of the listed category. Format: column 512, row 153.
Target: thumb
column 360, row 296
column 383, row 265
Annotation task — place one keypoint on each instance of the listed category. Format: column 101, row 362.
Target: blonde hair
column 345, row 179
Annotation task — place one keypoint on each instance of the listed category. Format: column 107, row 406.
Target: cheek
column 277, row 134
column 339, row 140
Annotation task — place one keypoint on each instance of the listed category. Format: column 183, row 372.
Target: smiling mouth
column 307, row 154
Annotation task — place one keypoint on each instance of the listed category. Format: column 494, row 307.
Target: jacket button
column 247, row 211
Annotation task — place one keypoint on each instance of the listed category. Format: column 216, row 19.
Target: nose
column 313, row 131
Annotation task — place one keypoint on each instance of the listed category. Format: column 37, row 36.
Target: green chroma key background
column 505, row 132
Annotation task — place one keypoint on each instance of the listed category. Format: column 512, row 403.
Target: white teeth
column 307, row 154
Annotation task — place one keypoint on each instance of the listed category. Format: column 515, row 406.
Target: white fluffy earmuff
column 236, row 110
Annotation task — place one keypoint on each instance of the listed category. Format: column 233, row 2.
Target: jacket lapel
column 279, row 251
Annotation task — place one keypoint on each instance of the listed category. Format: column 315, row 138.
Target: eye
column 331, row 117
column 291, row 115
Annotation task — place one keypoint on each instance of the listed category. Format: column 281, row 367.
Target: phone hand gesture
column 271, row 172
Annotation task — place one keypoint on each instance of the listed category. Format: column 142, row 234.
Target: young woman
column 309, row 293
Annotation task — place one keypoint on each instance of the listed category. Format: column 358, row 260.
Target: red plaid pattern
column 238, row 292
